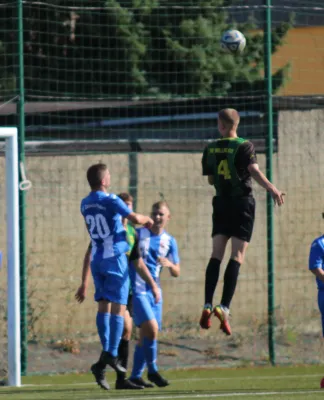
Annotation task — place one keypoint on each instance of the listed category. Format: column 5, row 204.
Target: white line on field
column 234, row 378
column 211, row 396
column 240, row 378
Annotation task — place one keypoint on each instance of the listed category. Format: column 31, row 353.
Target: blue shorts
column 111, row 279
column 145, row 309
column 321, row 306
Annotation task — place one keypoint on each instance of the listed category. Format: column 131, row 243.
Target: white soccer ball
column 233, row 41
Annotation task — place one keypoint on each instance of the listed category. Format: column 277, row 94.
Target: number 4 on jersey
column 223, row 169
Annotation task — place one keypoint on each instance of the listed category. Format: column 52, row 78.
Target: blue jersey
column 316, row 258
column 152, row 247
column 103, row 216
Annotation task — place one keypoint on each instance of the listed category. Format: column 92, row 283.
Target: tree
column 130, row 48
column 7, row 76
column 8, row 55
column 185, row 56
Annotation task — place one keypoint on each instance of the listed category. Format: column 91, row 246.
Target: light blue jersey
column 103, row 213
column 316, row 258
column 151, row 248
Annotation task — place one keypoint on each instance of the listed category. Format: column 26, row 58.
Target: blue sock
column 116, row 331
column 138, row 362
column 150, row 353
column 103, row 329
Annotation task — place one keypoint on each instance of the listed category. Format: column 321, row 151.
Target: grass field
column 280, row 383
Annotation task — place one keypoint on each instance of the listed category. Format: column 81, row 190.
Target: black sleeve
column 206, row 170
column 135, row 253
column 245, row 155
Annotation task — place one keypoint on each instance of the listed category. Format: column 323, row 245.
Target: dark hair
column 95, row 175
column 126, row 197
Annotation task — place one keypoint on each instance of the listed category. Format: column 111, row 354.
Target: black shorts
column 129, row 306
column 234, row 217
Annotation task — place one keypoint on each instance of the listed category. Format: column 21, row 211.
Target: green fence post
column 22, row 210
column 133, row 175
column 269, row 152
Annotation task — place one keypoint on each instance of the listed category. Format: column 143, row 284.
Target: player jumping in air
column 103, row 215
column 229, row 163
column 158, row 250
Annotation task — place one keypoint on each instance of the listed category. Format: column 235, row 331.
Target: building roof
column 306, row 12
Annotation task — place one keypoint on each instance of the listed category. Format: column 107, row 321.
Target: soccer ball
column 233, row 41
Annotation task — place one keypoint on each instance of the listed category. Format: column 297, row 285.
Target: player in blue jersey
column 103, row 215
column 159, row 250
column 316, row 266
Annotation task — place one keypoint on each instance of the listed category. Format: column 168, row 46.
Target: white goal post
column 13, row 270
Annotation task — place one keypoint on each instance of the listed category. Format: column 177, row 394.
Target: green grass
column 281, row 383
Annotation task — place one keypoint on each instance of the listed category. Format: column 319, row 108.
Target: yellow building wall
column 304, row 49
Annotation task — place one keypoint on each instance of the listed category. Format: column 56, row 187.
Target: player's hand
column 149, row 223
column 165, row 262
column 156, row 293
column 80, row 294
column 277, row 196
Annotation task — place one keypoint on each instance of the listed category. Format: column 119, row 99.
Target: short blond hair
column 160, row 204
column 229, row 116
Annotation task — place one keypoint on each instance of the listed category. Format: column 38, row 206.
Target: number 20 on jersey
column 98, row 226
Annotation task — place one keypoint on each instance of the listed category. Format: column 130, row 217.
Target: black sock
column 230, row 281
column 123, row 351
column 102, row 360
column 212, row 274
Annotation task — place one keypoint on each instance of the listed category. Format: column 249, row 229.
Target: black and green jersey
column 227, row 160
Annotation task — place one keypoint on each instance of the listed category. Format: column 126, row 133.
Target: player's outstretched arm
column 261, row 179
column 121, row 208
column 139, row 219
column 82, row 290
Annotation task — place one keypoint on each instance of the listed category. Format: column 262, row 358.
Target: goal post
column 12, row 229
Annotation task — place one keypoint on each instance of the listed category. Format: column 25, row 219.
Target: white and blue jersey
column 316, row 258
column 151, row 248
column 103, row 213
column 109, row 267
